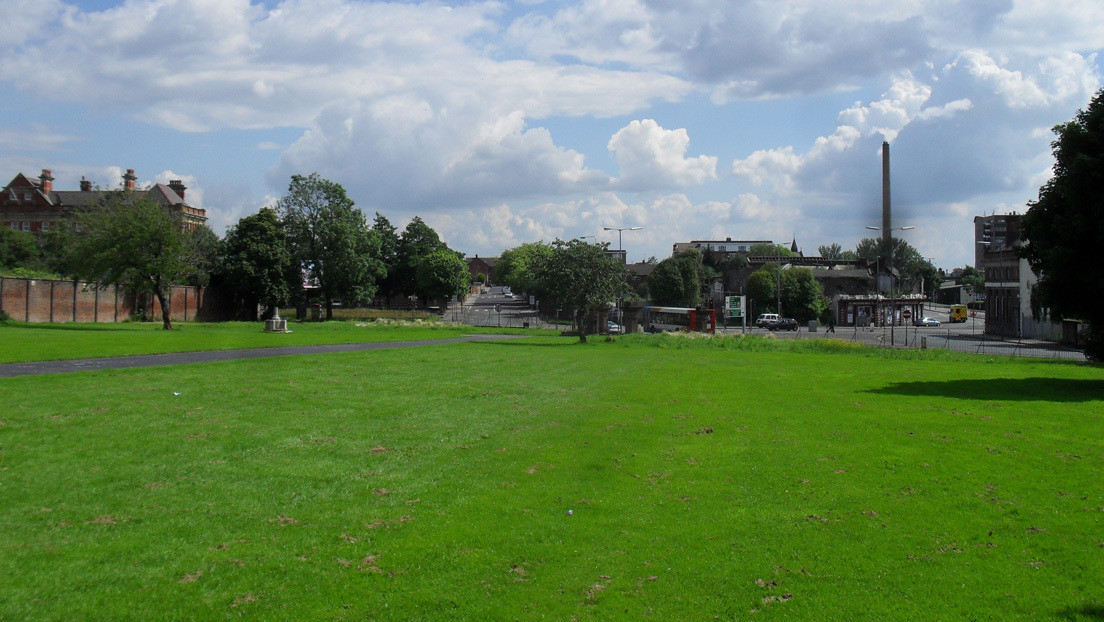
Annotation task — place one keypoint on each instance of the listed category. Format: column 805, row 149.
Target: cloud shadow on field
column 1002, row 389
column 1088, row 611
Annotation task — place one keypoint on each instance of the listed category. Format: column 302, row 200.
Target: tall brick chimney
column 47, row 181
column 887, row 220
column 178, row 187
column 85, row 184
column 129, row 179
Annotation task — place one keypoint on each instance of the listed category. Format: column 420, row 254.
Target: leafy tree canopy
column 418, row 240
column 769, row 250
column 802, row 296
column 331, row 240
column 18, row 249
column 519, row 267
column 388, row 254
column 137, row 243
column 442, row 274
column 912, row 267
column 257, row 263
column 835, row 251
column 678, row 281
column 581, row 277
column 973, row 279
column 1064, row 228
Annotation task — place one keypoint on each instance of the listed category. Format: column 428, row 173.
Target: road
column 493, row 307
column 964, row 337
column 480, row 310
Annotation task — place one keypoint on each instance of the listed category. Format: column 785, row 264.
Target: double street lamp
column 619, row 230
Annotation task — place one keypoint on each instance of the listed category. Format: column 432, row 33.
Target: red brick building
column 33, row 205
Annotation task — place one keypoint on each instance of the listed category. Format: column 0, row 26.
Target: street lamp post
column 624, row 260
column 986, row 247
column 887, row 242
column 619, row 230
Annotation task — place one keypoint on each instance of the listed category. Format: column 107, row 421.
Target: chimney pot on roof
column 178, row 187
column 47, row 180
column 129, row 179
column 85, row 184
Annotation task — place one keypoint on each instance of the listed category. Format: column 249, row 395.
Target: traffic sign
column 734, row 306
column 906, row 314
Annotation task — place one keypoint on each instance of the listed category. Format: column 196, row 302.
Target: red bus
column 659, row 319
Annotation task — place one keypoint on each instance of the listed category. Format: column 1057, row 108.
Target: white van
column 766, row 319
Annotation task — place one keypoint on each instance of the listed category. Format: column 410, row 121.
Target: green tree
column 257, row 265
column 18, row 249
column 678, row 281
column 762, row 288
column 973, row 280
column 136, row 243
column 802, row 297
column 418, row 240
column 388, row 254
column 769, row 250
column 1064, row 227
column 580, row 277
column 835, row 251
column 912, row 267
column 331, row 240
column 442, row 274
column 206, row 251
column 519, row 267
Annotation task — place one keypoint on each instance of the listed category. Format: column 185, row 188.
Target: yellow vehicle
column 958, row 313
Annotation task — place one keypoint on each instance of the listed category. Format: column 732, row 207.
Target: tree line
column 313, row 236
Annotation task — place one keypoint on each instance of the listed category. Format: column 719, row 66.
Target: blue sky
column 506, row 122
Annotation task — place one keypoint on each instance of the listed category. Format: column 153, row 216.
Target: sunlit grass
column 20, row 342
column 648, row 477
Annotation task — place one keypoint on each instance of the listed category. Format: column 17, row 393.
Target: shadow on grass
column 1007, row 389
column 1087, row 611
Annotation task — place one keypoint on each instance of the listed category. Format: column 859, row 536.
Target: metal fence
column 978, row 343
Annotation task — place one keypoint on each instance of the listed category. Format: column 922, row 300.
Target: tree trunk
column 166, row 309
column 580, row 320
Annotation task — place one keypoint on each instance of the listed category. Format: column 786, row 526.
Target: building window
column 45, row 225
column 26, row 225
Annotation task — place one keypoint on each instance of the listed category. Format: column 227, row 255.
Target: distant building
column 33, row 205
column 993, row 232
column 1009, row 281
column 481, row 265
column 722, row 248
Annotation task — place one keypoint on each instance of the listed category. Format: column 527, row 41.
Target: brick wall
column 43, row 300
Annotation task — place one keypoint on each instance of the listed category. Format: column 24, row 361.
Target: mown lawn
column 648, row 478
column 22, row 342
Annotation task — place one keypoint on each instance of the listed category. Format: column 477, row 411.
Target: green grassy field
column 651, row 477
column 21, row 342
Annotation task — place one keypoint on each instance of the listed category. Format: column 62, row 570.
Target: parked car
column 926, row 321
column 785, row 323
column 765, row 320
column 614, row 328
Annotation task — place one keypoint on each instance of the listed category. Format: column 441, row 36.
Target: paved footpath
column 11, row 370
